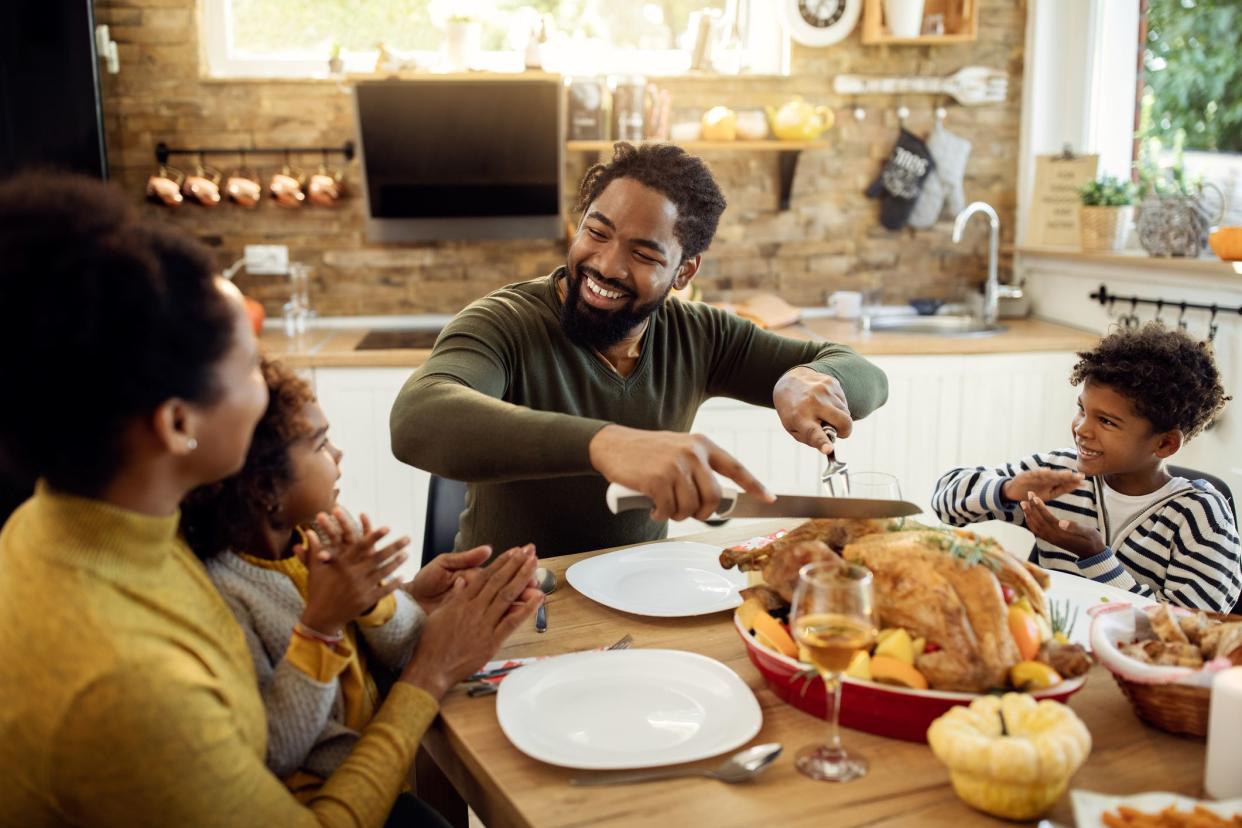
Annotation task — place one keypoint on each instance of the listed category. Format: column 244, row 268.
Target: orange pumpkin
column 1227, row 243
column 254, row 310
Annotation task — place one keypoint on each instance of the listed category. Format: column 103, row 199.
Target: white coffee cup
column 846, row 304
column 904, row 17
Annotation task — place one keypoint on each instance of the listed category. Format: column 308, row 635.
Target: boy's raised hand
column 1083, row 541
column 1046, row 484
column 347, row 574
column 473, row 621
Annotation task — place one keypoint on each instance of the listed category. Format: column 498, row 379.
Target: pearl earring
column 191, row 444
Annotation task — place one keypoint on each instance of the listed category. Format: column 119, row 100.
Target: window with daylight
column 290, row 38
column 1190, row 96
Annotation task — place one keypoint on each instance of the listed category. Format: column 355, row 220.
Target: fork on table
column 483, row 686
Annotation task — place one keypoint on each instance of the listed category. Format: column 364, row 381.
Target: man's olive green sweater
column 509, row 404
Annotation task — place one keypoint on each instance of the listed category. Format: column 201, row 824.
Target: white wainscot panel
column 357, row 402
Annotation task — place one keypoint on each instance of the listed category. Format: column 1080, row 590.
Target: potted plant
column 335, row 64
column 1107, row 207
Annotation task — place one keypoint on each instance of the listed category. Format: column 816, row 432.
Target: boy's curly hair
column 1169, row 378
column 221, row 516
column 668, row 169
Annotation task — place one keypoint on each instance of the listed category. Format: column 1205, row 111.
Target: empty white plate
column 626, row 709
column 668, row 579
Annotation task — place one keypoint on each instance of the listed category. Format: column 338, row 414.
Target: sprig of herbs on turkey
column 968, row 549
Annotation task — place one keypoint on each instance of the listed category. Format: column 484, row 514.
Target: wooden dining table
column 907, row 785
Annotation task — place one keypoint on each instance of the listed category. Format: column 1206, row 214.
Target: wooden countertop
column 334, row 347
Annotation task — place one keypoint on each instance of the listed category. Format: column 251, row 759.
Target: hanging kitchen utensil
column 970, row 86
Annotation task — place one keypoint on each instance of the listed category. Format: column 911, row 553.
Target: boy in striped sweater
column 1108, row 509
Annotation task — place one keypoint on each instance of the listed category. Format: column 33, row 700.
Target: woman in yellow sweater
column 131, row 376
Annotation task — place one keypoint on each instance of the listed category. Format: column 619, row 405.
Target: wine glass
column 833, row 617
column 874, row 486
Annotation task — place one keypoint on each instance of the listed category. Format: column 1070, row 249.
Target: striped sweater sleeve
column 1197, row 537
column 973, row 494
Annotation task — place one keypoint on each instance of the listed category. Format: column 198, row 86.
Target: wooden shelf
column 1205, row 265
column 766, row 145
column 961, row 24
column 788, row 152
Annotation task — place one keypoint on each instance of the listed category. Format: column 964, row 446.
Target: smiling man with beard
column 542, row 393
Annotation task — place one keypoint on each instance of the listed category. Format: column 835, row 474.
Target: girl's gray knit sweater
column 304, row 716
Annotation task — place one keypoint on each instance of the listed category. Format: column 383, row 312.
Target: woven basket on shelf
column 1105, row 228
column 1172, row 707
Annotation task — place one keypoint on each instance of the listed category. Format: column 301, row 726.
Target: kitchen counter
column 333, row 347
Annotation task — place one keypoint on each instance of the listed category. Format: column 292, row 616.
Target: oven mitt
column 901, row 181
column 943, row 188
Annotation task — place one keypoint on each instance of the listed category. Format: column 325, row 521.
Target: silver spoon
column 547, row 585
column 741, row 767
column 836, row 474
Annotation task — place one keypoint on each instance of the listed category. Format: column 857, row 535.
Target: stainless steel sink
column 421, row 338
column 939, row 325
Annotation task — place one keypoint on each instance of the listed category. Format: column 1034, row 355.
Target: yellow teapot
column 797, row 120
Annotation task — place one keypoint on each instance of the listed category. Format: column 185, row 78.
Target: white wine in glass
column 833, row 617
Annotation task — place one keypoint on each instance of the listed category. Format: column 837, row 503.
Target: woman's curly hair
column 1169, row 378
column 221, row 516
column 668, row 169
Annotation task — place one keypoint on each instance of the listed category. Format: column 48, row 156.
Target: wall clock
column 820, row 22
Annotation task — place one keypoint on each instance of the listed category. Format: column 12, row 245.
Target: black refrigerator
column 50, row 103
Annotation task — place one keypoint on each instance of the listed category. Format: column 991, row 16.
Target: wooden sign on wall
column 1053, row 218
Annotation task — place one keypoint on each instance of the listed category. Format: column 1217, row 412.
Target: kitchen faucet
column 991, row 290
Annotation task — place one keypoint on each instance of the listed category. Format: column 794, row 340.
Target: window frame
column 219, row 60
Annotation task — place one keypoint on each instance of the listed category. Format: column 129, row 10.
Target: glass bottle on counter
column 297, row 310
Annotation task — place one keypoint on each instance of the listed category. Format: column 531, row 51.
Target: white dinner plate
column 1083, row 593
column 668, row 579
column 1090, row 807
column 626, row 709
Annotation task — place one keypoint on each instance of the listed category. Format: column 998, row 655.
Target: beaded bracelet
column 314, row 635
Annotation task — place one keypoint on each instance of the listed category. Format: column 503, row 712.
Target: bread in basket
column 1164, row 658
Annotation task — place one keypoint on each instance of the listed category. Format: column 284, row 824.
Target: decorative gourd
column 1010, row 756
column 1227, row 243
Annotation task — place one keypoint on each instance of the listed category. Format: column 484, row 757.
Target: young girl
column 315, row 623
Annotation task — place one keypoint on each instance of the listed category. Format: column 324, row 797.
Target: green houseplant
column 1107, row 208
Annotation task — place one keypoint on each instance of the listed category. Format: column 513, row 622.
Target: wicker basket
column 1172, row 707
column 1105, row 228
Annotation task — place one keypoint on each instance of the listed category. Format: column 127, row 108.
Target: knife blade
column 735, row 504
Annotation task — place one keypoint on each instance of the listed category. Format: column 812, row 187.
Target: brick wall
column 829, row 239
